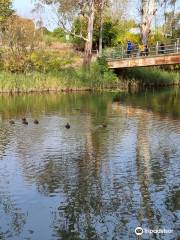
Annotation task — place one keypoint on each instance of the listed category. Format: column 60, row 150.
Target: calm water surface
column 90, row 182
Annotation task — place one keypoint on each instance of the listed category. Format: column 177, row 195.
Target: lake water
column 89, row 181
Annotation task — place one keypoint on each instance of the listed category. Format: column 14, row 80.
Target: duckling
column 12, row 122
column 68, row 126
column 36, row 121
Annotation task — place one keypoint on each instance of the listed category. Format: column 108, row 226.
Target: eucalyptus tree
column 68, row 10
column 148, row 10
column 171, row 18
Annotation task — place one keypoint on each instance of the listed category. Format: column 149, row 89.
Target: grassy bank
column 63, row 80
column 97, row 78
column 150, row 76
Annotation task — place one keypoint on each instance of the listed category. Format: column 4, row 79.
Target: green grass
column 97, row 78
column 65, row 79
column 152, row 76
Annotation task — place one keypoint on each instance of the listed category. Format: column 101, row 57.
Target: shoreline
column 88, row 89
column 72, row 80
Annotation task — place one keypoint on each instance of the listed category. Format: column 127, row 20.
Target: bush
column 99, row 76
column 46, row 62
column 39, row 61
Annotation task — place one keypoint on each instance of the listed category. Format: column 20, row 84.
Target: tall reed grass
column 150, row 76
column 64, row 79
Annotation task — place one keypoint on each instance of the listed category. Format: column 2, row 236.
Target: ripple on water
column 56, row 182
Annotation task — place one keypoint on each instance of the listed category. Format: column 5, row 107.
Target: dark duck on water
column 24, row 121
column 12, row 122
column 67, row 126
column 36, row 121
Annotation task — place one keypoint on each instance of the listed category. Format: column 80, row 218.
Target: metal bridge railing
column 158, row 50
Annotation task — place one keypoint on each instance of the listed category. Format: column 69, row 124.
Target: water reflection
column 89, row 182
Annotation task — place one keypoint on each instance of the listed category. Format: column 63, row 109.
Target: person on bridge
column 129, row 48
column 162, row 48
column 141, row 49
column 146, row 50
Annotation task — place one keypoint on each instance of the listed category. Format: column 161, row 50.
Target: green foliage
column 152, row 76
column 20, row 39
column 59, row 34
column 46, row 61
column 39, row 61
column 171, row 26
column 110, row 33
column 79, row 27
column 114, row 32
column 124, row 33
column 5, row 11
column 16, row 64
column 45, row 31
column 98, row 77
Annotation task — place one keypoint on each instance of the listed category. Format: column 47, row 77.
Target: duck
column 104, row 125
column 36, row 121
column 68, row 126
column 23, row 119
column 12, row 122
column 25, row 122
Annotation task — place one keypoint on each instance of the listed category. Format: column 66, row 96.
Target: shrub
column 46, row 62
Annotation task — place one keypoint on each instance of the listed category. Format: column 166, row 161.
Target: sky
column 24, row 9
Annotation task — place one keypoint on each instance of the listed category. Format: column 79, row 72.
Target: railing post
column 175, row 47
column 122, row 52
column 178, row 45
column 157, row 48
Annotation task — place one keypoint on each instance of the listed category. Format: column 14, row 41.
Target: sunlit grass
column 98, row 78
column 65, row 79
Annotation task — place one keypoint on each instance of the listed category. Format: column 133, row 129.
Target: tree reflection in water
column 95, row 183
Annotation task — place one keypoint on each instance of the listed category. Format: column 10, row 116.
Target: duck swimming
column 25, row 122
column 12, row 122
column 36, row 121
column 68, row 126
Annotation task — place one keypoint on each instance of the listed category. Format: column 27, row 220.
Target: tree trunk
column 101, row 28
column 89, row 42
column 148, row 11
column 100, row 37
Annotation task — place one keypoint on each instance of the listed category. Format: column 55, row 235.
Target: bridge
column 157, row 56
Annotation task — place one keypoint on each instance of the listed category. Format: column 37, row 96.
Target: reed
column 63, row 79
column 152, row 76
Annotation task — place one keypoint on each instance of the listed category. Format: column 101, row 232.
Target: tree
column 108, row 33
column 171, row 19
column 20, row 39
column 170, row 26
column 148, row 11
column 69, row 10
column 101, row 10
column 5, row 12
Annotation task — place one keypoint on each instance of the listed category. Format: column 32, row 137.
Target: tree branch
column 72, row 33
